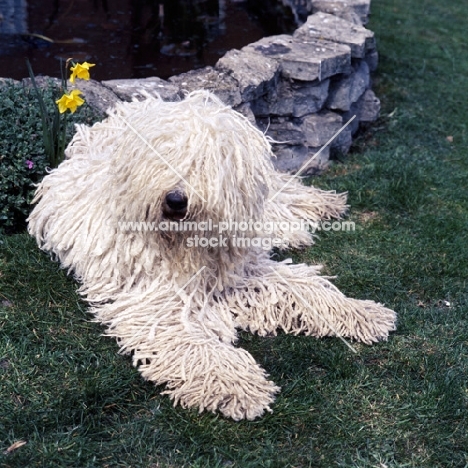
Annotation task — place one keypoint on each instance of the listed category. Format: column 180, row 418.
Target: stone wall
column 299, row 89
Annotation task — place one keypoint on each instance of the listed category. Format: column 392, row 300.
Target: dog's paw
column 245, row 400
column 234, row 396
column 231, row 382
column 370, row 322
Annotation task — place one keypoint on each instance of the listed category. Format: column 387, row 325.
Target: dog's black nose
column 176, row 201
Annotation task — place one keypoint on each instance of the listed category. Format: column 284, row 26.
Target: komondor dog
column 166, row 212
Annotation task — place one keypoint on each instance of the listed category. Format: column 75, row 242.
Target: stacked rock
column 300, row 89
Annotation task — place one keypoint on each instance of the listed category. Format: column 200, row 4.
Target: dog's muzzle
column 175, row 205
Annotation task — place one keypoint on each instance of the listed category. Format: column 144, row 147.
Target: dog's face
column 194, row 160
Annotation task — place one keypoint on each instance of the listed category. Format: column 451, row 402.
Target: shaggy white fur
column 174, row 304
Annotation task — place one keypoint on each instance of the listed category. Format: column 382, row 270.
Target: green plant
column 55, row 120
column 23, row 160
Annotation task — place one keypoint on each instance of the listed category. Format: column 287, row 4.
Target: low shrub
column 23, row 161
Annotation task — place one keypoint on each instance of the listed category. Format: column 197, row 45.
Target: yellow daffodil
column 81, row 71
column 70, row 101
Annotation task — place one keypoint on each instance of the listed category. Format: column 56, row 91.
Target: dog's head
column 194, row 160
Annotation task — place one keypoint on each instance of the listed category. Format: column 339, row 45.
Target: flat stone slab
column 348, row 90
column 246, row 110
column 326, row 27
column 355, row 11
column 286, row 130
column 372, row 59
column 218, row 82
column 256, row 75
column 368, row 107
column 292, row 158
column 293, row 97
column 96, row 95
column 305, row 61
column 319, row 128
column 353, row 112
column 366, row 110
column 314, row 130
column 130, row 89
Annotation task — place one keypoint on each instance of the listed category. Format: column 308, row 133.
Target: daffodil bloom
column 81, row 71
column 70, row 101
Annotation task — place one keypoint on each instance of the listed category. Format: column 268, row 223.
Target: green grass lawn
column 402, row 403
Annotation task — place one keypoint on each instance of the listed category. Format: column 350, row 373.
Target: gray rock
column 319, row 128
column 326, row 27
column 293, row 158
column 286, row 131
column 256, row 75
column 314, row 130
column 348, row 90
column 365, row 110
column 355, row 11
column 308, row 97
column 130, row 89
column 216, row 81
column 246, row 110
column 353, row 114
column 261, row 106
column 368, row 107
column 96, row 95
column 372, row 59
column 293, row 97
column 305, row 61
column 342, row 143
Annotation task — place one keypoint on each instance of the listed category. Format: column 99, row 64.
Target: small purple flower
column 29, row 163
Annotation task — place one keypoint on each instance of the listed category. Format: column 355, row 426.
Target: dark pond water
column 133, row 38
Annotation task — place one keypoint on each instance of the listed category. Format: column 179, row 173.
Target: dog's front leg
column 187, row 351
column 210, row 375
column 289, row 197
column 296, row 299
